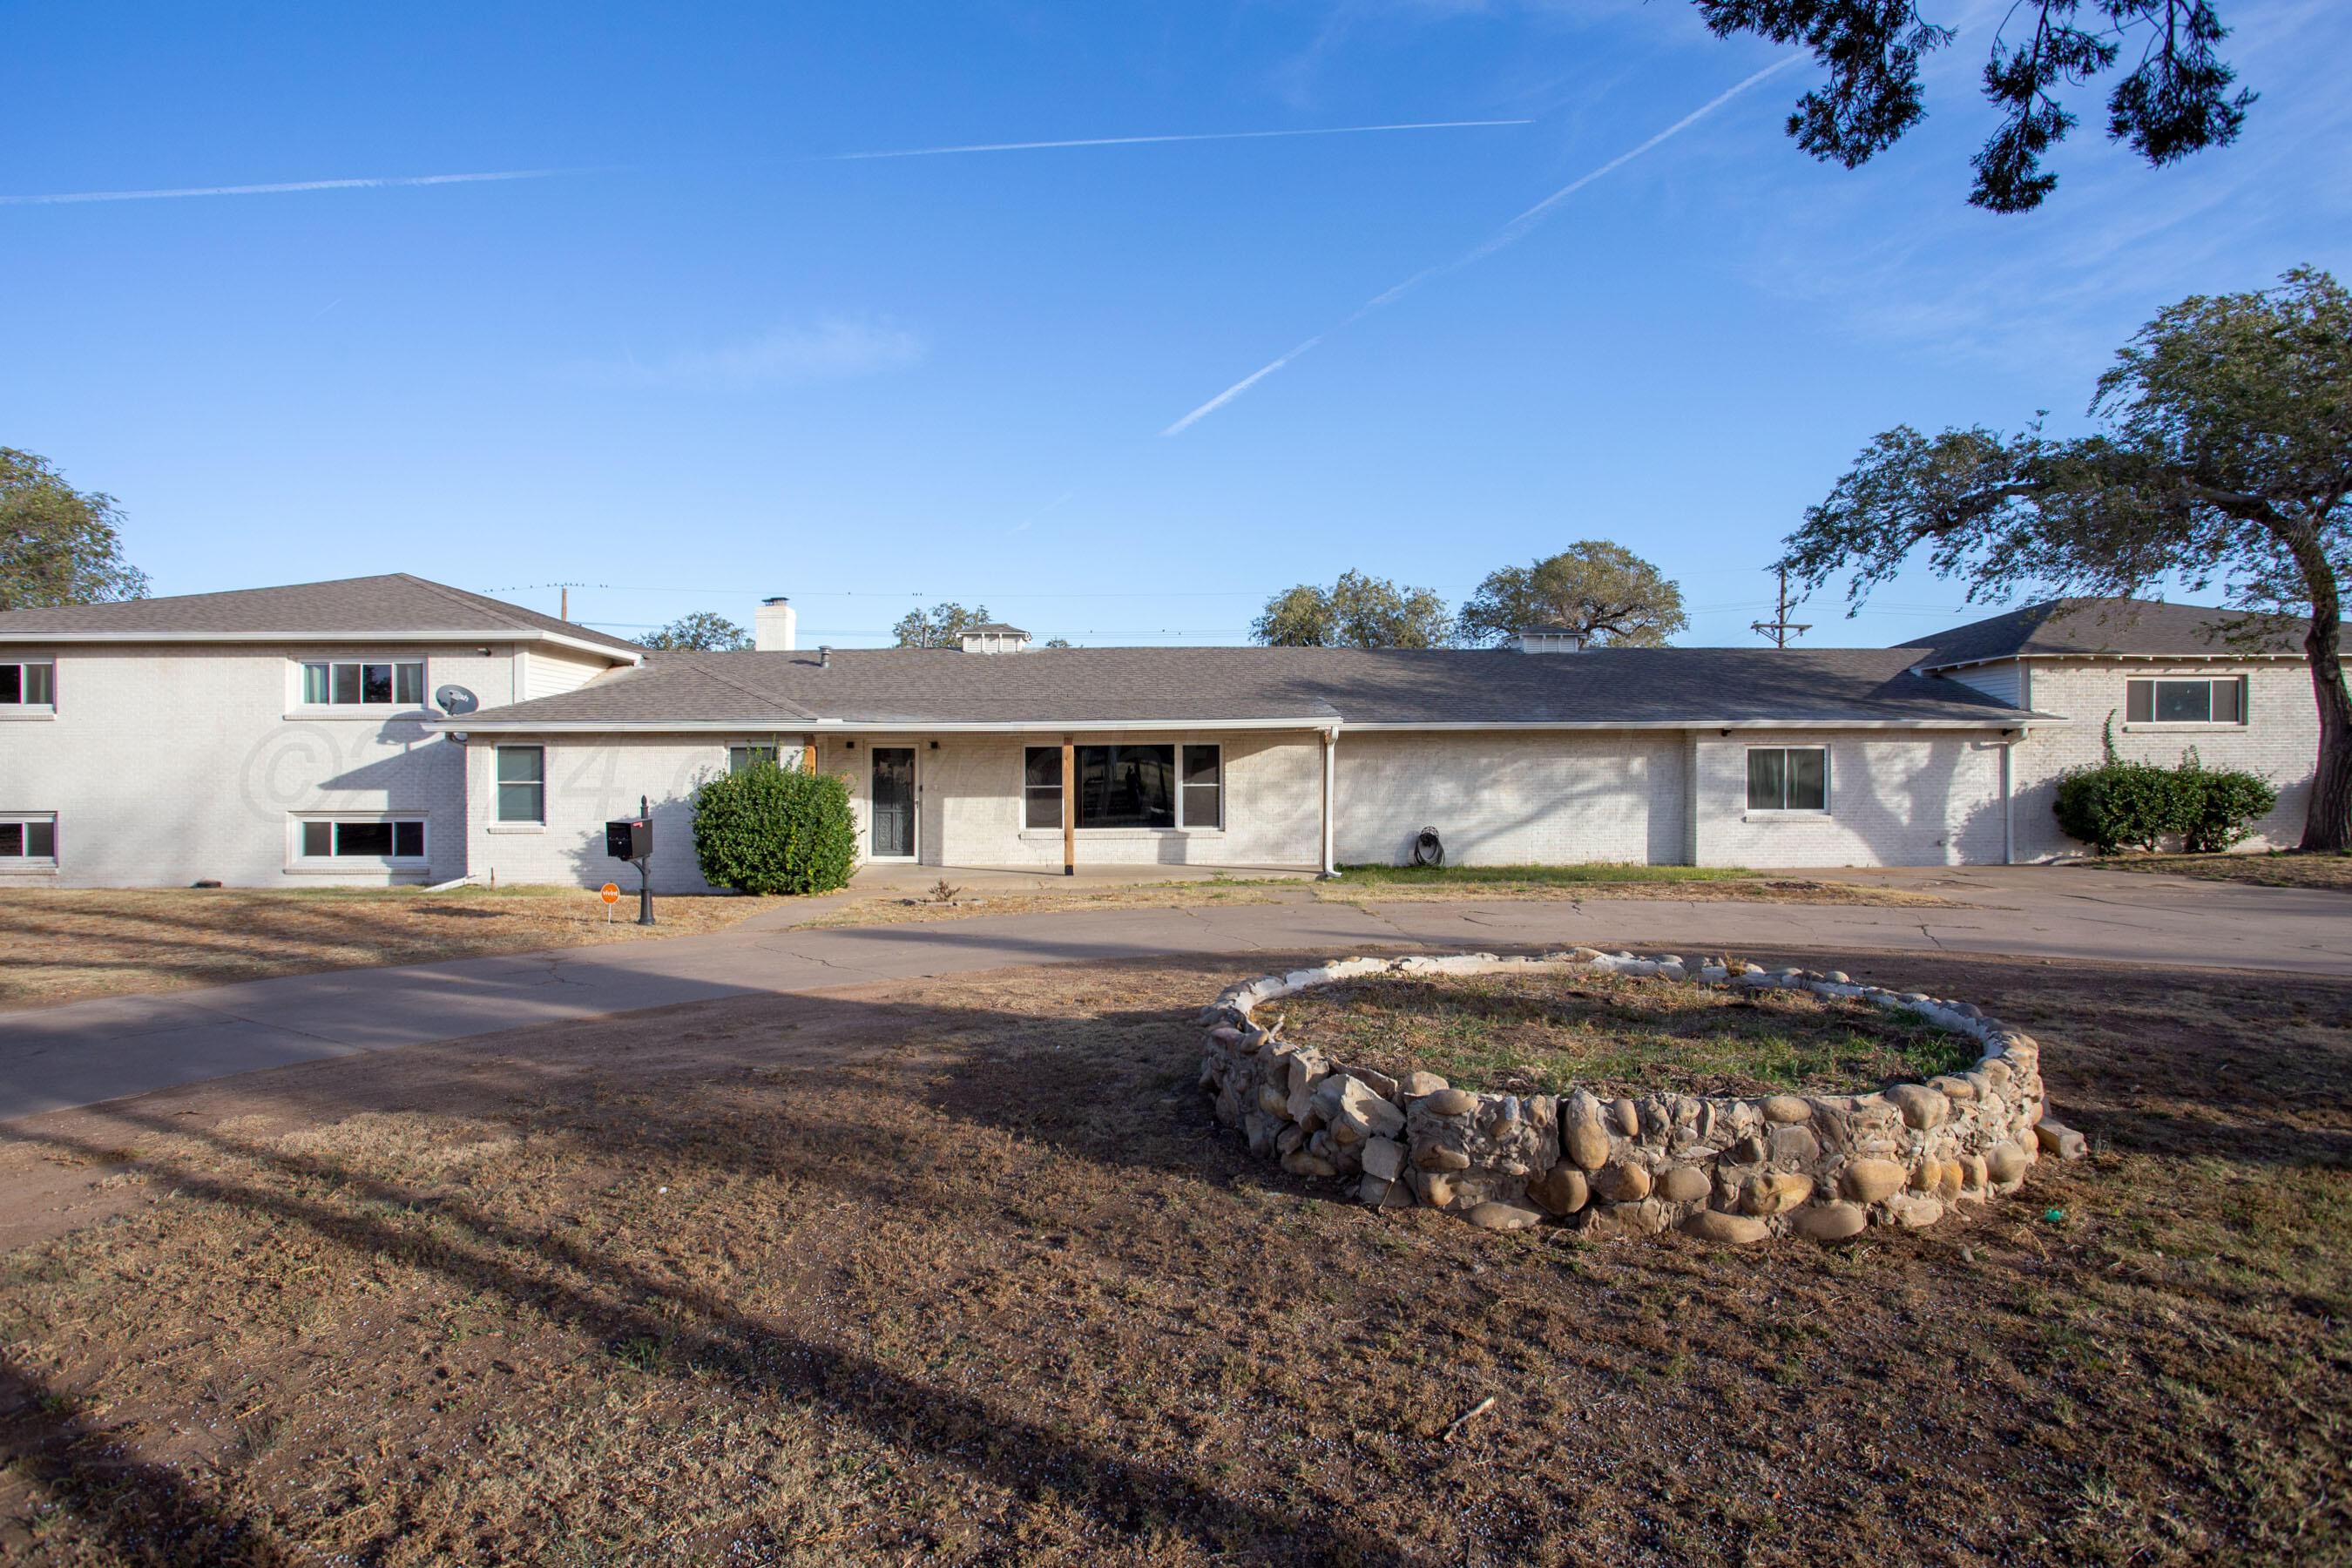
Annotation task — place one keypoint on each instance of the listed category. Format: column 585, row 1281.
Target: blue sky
column 709, row 359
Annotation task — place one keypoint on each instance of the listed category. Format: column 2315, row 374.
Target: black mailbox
column 630, row 840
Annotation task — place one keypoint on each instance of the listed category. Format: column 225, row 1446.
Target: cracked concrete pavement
column 85, row 1052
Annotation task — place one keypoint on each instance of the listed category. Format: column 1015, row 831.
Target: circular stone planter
column 1822, row 1166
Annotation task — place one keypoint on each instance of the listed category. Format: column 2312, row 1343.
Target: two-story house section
column 2160, row 680
column 267, row 737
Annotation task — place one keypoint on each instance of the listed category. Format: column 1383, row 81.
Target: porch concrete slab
column 82, row 1052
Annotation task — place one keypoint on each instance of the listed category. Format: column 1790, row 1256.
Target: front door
column 894, row 803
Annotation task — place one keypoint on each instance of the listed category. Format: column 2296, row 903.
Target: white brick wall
column 2280, row 740
column 1896, row 799
column 592, row 780
column 1500, row 798
column 170, row 763
column 970, row 801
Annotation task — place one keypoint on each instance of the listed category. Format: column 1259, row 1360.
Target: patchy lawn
column 2279, row 868
column 62, row 944
column 1546, row 1034
column 1506, row 883
column 964, row 1271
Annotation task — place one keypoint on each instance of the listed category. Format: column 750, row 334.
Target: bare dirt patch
column 1550, row 1033
column 2286, row 868
column 964, row 1271
column 61, row 944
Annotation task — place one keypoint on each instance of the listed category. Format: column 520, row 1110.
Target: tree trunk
column 2328, row 825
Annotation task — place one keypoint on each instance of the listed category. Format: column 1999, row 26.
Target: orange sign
column 610, row 892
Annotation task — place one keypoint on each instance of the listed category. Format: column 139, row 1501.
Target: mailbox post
column 632, row 840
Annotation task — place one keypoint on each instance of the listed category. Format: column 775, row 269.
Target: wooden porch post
column 1069, row 806
column 808, row 762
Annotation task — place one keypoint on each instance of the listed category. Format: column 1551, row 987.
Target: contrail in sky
column 368, row 185
column 1510, row 233
column 1145, row 141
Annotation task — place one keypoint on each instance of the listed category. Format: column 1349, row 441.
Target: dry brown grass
column 61, row 944
column 2283, row 869
column 964, row 1271
column 901, row 908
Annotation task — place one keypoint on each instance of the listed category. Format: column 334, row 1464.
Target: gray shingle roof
column 1180, row 686
column 380, row 606
column 2061, row 627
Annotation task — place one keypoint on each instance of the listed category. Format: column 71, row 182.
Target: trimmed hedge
column 773, row 830
column 2138, row 805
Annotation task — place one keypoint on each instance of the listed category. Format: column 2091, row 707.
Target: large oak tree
column 2223, row 456
column 2174, row 101
column 59, row 545
column 1357, row 611
column 1603, row 591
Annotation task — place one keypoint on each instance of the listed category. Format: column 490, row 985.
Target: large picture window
column 363, row 683
column 1127, row 786
column 523, row 783
column 2198, row 702
column 1788, row 778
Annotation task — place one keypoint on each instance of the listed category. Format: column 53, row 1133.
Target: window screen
column 523, row 783
column 29, row 839
column 1205, row 786
column 1788, row 778
column 26, row 684
column 1041, row 787
column 2199, row 701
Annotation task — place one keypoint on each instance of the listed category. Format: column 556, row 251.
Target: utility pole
column 1780, row 628
column 563, row 605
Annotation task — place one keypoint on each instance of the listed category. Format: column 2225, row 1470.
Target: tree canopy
column 59, row 545
column 1604, row 591
column 2223, row 455
column 942, row 626
column 703, row 632
column 1357, row 611
column 2175, row 100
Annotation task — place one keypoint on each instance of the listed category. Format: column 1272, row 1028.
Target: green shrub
column 2118, row 806
column 773, row 830
column 2221, row 805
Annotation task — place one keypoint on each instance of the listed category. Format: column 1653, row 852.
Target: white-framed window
column 2199, row 699
column 523, row 783
column 378, row 839
column 362, row 682
column 1789, row 778
column 28, row 683
column 28, row 841
column 1127, row 786
column 741, row 757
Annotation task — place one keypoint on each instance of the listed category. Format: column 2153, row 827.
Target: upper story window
column 2199, row 701
column 1788, row 778
column 358, row 683
column 26, row 684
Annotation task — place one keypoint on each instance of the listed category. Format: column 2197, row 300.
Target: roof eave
column 473, row 724
column 486, row 634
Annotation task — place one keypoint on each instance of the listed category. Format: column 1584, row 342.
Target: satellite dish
column 455, row 701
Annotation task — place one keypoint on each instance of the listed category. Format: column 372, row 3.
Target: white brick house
column 294, row 736
column 269, row 737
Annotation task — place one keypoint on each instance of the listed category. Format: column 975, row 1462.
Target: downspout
column 2008, row 807
column 1331, row 794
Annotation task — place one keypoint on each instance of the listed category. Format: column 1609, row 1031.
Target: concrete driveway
column 89, row 1051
